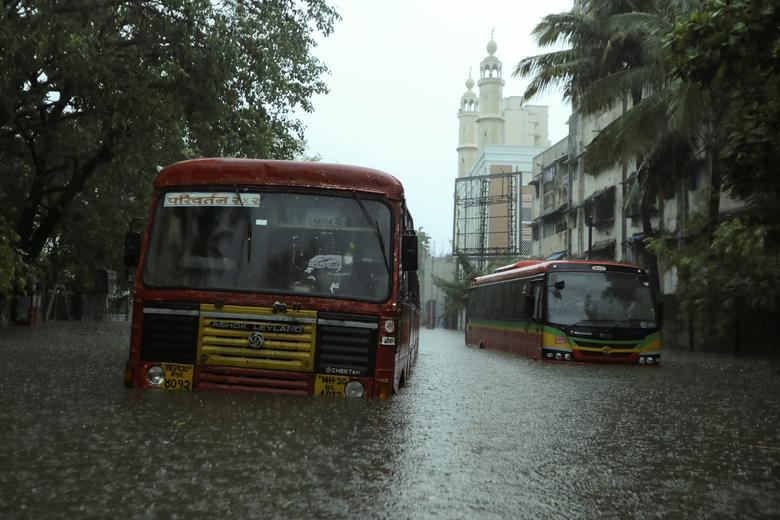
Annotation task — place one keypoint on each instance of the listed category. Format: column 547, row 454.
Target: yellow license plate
column 177, row 377
column 330, row 385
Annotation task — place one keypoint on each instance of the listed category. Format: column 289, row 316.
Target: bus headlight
column 389, row 326
column 155, row 375
column 354, row 389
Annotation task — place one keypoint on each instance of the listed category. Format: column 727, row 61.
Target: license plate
column 330, row 385
column 177, row 377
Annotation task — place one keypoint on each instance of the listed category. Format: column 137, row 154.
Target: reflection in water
column 476, row 434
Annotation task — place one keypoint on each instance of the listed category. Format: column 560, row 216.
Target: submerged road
column 475, row 434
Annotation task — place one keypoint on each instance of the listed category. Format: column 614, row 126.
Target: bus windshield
column 271, row 242
column 605, row 298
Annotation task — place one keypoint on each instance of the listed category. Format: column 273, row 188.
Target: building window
column 560, row 223
column 604, row 206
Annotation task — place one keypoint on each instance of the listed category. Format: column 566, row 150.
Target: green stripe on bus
column 503, row 324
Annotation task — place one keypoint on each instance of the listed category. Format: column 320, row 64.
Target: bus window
column 536, row 311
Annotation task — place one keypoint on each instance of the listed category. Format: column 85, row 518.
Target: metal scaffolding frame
column 481, row 229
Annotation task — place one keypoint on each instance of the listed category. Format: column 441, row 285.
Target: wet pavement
column 475, row 434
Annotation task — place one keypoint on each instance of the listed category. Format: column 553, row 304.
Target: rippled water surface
column 475, row 434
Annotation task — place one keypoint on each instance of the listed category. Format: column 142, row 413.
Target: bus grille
column 252, row 380
column 245, row 337
column 346, row 344
column 169, row 335
column 597, row 344
column 605, row 355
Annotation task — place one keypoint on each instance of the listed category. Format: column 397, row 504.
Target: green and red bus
column 274, row 276
column 566, row 310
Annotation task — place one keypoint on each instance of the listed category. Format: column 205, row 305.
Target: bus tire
column 481, row 344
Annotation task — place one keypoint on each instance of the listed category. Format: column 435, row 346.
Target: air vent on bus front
column 346, row 344
column 170, row 333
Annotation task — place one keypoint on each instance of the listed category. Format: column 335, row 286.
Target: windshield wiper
column 375, row 227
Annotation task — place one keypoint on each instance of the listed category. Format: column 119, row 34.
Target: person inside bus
column 228, row 236
column 368, row 273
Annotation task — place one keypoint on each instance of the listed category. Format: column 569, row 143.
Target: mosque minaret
column 490, row 122
column 488, row 119
column 467, row 116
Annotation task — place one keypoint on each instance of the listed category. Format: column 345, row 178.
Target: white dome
column 491, row 47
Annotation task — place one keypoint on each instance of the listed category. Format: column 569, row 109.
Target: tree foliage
column 726, row 276
column 457, row 291
column 15, row 273
column 423, row 247
column 699, row 84
column 731, row 51
column 96, row 95
column 615, row 57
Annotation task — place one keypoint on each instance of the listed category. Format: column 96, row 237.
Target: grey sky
column 398, row 70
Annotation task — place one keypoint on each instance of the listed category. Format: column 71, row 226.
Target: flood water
column 475, row 434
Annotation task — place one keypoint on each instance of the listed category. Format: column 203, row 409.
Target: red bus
column 566, row 310
column 274, row 276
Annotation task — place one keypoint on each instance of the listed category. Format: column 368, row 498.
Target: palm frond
column 686, row 108
column 604, row 93
column 629, row 136
column 639, row 23
column 565, row 28
column 565, row 69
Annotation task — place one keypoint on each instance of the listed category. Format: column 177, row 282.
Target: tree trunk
column 645, row 208
column 35, row 239
column 713, row 195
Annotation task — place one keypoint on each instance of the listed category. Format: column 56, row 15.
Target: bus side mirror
column 132, row 248
column 409, row 251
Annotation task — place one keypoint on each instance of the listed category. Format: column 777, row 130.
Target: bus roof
column 259, row 172
column 525, row 268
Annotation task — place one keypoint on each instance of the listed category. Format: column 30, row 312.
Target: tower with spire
column 487, row 119
column 490, row 123
column 467, row 117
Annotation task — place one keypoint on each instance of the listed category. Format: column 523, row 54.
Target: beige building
column 498, row 138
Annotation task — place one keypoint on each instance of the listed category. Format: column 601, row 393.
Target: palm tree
column 594, row 50
column 666, row 125
column 616, row 57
